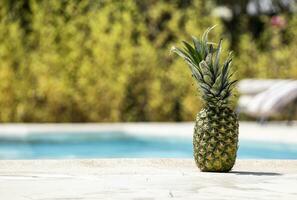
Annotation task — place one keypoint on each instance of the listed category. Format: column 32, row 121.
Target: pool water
column 120, row 145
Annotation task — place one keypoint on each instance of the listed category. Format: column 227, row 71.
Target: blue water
column 120, row 145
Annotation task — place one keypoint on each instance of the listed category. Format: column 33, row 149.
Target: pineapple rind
column 215, row 139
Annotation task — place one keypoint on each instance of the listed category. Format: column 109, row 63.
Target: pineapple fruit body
column 215, row 139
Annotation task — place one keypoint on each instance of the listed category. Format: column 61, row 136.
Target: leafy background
column 109, row 60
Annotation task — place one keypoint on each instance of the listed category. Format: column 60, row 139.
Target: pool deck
column 276, row 131
column 145, row 179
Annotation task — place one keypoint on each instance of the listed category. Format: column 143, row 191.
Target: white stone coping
column 274, row 132
column 145, row 179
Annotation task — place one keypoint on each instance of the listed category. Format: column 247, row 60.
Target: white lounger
column 266, row 98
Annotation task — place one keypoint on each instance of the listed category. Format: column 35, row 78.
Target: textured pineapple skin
column 215, row 139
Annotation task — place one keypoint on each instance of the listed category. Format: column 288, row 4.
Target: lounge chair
column 267, row 98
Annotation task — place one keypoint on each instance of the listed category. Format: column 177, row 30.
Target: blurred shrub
column 272, row 56
column 91, row 61
column 76, row 61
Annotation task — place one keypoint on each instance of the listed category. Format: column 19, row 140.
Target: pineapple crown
column 213, row 78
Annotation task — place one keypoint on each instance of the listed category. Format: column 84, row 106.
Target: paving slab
column 145, row 179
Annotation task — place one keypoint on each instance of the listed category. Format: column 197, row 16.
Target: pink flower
column 278, row 21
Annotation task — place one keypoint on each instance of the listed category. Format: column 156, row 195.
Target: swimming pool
column 121, row 144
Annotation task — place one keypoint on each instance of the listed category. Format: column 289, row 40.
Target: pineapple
column 215, row 139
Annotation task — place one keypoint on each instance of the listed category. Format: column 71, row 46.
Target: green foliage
column 76, row 61
column 99, row 61
column 272, row 56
